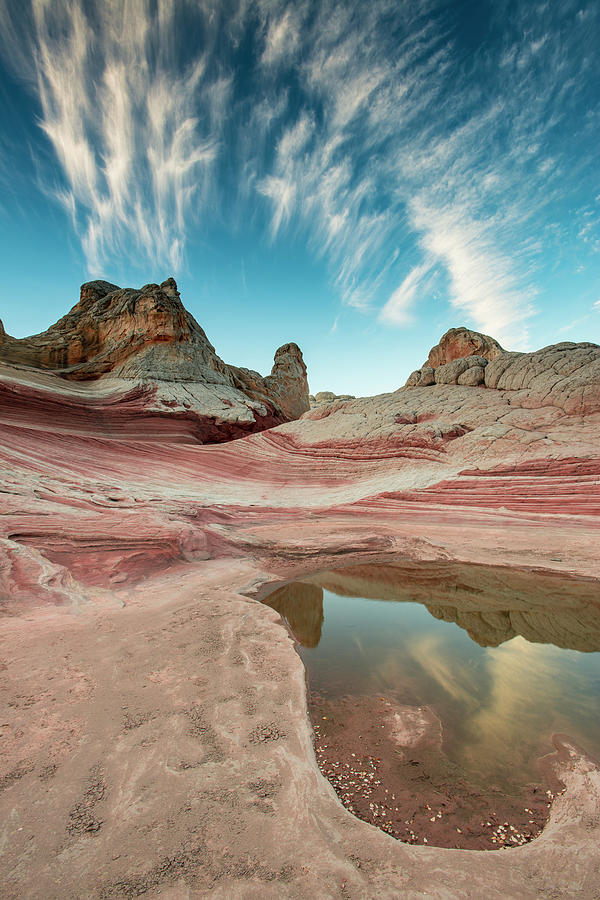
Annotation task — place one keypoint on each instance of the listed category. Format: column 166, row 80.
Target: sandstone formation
column 324, row 398
column 154, row 726
column 460, row 342
column 564, row 375
column 286, row 386
column 143, row 346
column 458, row 350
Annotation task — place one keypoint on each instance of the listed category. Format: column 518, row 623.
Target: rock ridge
column 565, row 375
column 146, row 336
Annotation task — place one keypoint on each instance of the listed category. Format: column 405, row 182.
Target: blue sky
column 354, row 176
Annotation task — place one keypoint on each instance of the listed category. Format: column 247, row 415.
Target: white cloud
column 483, row 284
column 293, row 141
column 282, row 38
column 319, row 182
column 282, row 193
column 360, row 125
column 398, row 309
column 124, row 121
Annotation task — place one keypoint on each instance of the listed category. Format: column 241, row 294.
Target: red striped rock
column 155, row 735
column 130, row 485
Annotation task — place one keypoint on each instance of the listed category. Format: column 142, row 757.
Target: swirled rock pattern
column 155, row 736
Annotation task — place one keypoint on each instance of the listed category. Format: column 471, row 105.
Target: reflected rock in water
column 491, row 603
column 568, row 629
column 301, row 605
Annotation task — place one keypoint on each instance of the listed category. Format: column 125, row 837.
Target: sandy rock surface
column 565, row 375
column 155, row 730
column 324, row 398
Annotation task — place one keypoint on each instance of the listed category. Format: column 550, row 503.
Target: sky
column 356, row 176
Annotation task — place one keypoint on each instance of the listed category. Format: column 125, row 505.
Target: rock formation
column 460, row 342
column 324, row 398
column 564, row 375
column 286, row 386
column 450, row 361
column 121, row 342
column 154, row 727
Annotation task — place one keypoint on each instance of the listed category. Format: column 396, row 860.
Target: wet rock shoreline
column 415, row 793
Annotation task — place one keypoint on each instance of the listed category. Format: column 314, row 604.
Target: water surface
column 504, row 659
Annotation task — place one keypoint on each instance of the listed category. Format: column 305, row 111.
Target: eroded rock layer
column 140, row 355
column 120, row 462
column 155, row 736
column 565, row 375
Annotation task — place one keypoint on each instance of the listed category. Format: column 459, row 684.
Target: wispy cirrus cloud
column 418, row 146
column 398, row 310
column 136, row 135
column 484, row 284
column 337, row 186
column 283, row 36
column 399, row 152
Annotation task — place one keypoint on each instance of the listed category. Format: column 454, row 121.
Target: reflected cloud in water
column 522, row 663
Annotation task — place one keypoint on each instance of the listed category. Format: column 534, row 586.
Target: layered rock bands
column 154, row 727
column 141, row 356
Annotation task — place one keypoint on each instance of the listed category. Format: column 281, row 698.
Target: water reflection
column 301, row 605
column 492, row 604
column 522, row 664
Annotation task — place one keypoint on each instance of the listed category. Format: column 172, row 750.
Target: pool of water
column 501, row 660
